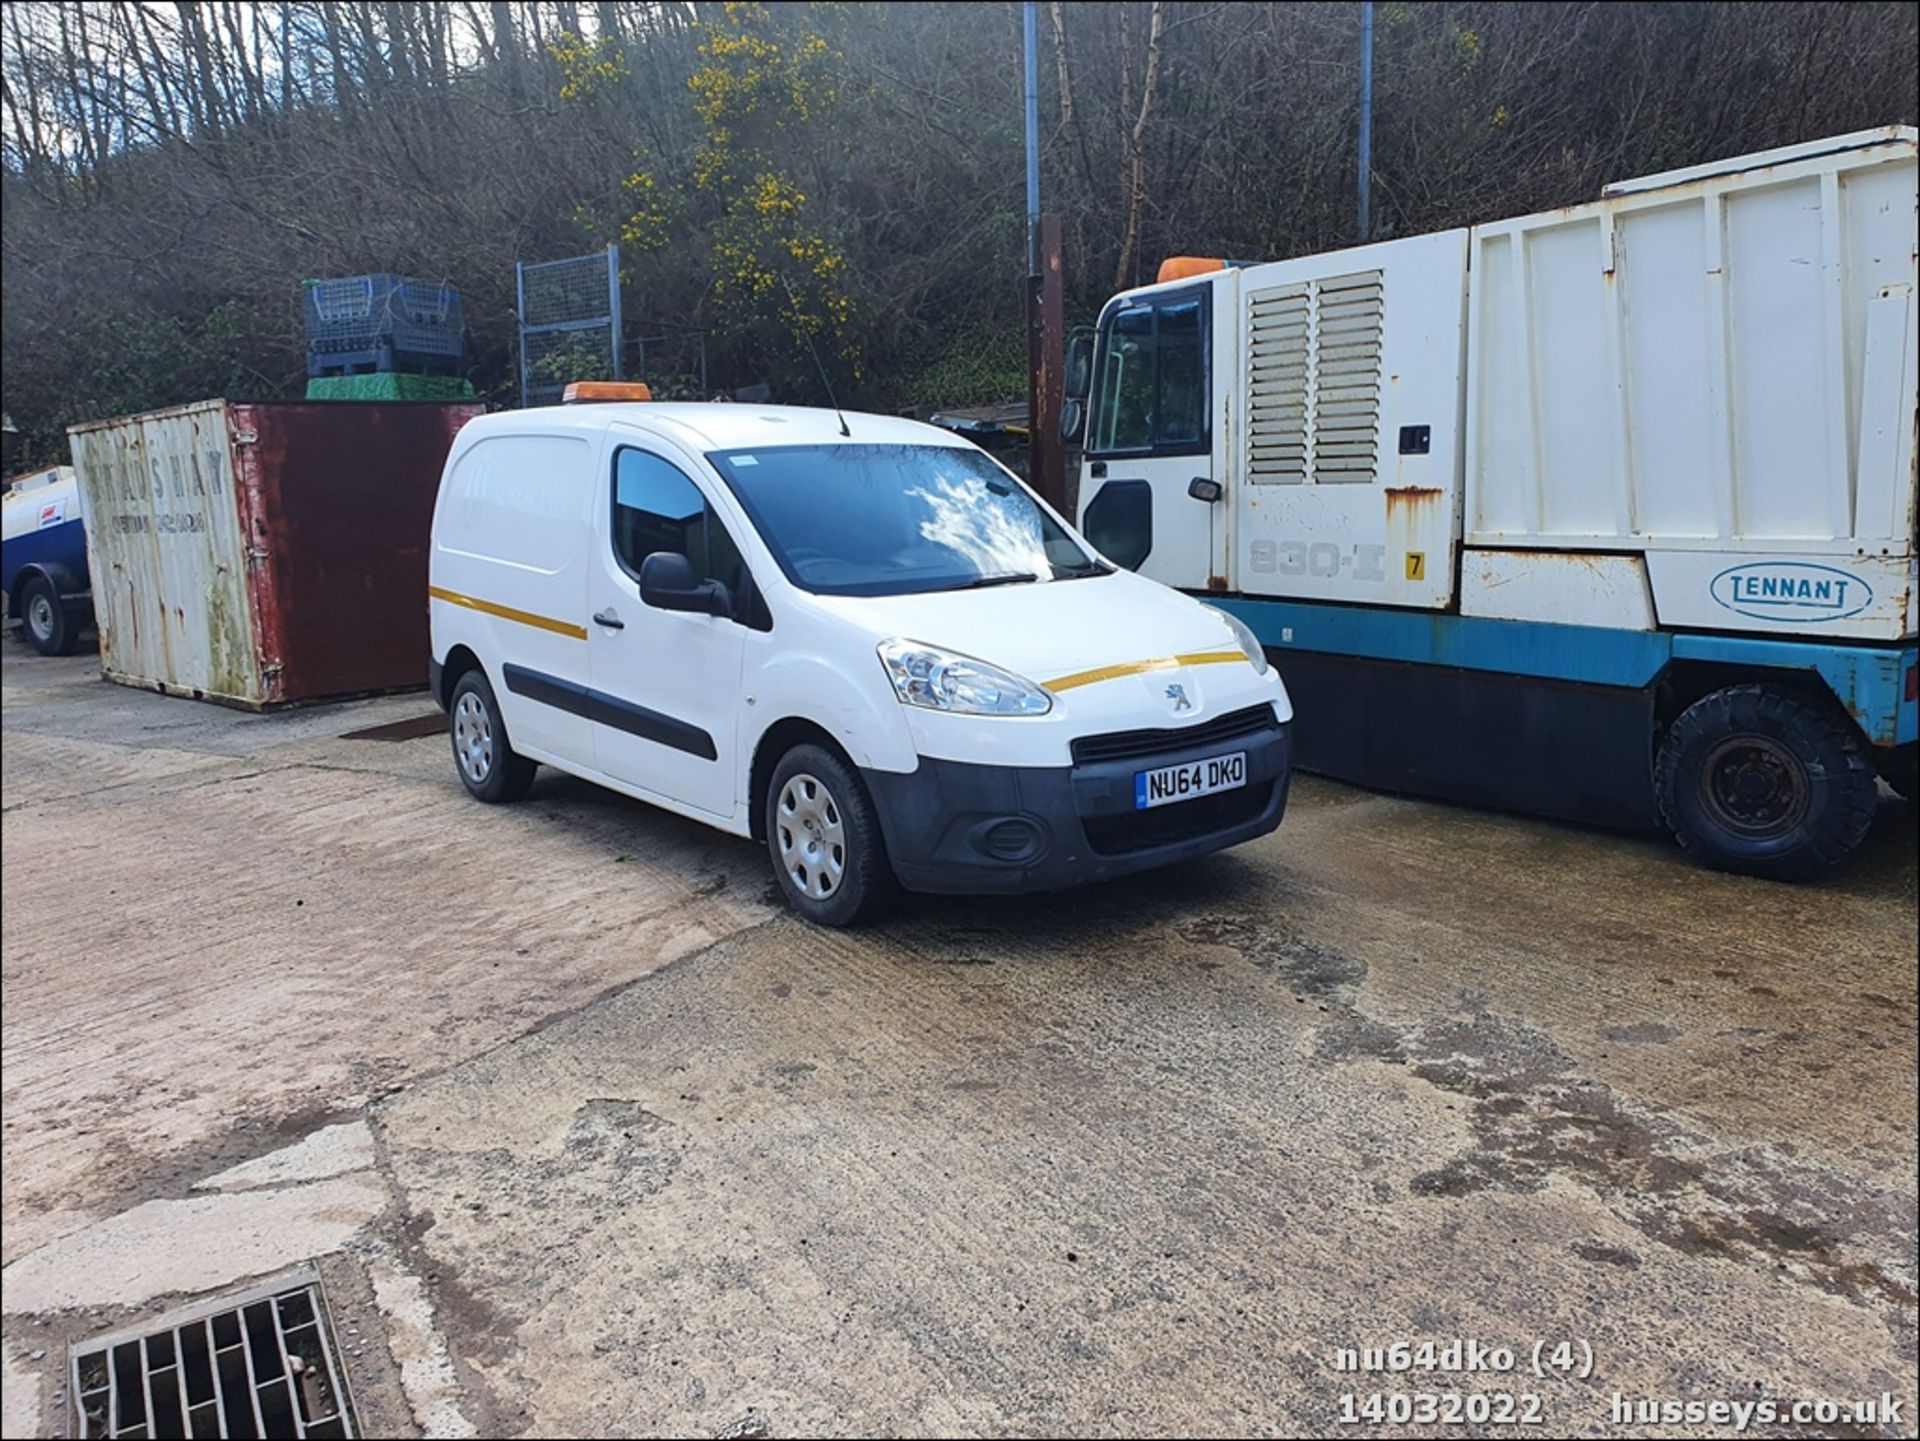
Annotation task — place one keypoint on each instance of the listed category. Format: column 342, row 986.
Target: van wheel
column 50, row 630
column 824, row 837
column 488, row 766
column 1756, row 779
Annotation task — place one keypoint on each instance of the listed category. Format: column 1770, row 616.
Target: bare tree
column 1135, row 169
column 172, row 172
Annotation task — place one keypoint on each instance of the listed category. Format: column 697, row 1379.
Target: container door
column 1153, row 430
column 1347, row 479
column 170, row 558
column 666, row 684
column 340, row 510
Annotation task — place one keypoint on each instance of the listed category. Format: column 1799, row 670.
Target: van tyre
column 50, row 630
column 824, row 837
column 1758, row 780
column 489, row 767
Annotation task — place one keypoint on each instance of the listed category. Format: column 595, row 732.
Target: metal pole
column 1046, row 326
column 1046, row 451
column 520, row 322
column 1031, row 47
column 1366, row 120
column 613, row 304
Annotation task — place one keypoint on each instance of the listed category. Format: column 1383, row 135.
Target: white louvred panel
column 1279, row 322
column 1346, row 395
column 1313, row 381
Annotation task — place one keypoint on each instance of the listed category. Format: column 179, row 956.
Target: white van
column 860, row 640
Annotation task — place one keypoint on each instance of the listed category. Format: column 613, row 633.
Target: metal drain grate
column 259, row 1364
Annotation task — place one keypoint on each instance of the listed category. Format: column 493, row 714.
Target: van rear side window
column 520, row 498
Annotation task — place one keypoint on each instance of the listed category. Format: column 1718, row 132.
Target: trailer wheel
column 48, row 626
column 1758, row 780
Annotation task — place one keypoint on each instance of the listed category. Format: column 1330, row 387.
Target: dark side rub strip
column 609, row 710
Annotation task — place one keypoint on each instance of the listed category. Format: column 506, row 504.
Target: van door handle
column 609, row 619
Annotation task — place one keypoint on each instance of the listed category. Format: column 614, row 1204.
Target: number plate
column 1182, row 783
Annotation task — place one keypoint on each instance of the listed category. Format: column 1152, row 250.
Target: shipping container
column 264, row 554
column 1606, row 512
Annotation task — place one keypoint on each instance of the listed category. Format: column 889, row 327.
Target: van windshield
column 898, row 519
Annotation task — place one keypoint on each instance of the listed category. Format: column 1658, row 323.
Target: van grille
column 1127, row 745
column 1129, row 831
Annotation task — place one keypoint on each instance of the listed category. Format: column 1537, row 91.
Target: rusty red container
column 264, row 554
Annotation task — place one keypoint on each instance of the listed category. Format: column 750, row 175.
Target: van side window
column 1151, row 383
column 656, row 507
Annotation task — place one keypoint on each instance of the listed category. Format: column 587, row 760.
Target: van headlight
column 1249, row 642
column 925, row 675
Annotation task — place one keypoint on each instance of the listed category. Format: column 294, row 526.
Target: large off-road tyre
column 1763, row 781
column 1901, row 770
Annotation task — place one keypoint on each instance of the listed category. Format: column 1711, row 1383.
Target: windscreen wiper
column 981, row 582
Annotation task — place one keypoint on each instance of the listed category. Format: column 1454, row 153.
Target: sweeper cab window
column 1151, row 378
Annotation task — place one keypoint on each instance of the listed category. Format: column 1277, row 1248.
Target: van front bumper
column 967, row 829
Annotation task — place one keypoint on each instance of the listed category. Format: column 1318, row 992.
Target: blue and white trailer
column 1606, row 513
column 43, row 559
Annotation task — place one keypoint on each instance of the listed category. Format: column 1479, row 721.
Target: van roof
column 724, row 425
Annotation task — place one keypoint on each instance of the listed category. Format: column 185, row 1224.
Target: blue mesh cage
column 381, row 322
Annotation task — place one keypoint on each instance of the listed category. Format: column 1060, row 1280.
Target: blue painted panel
column 65, row 544
column 1595, row 654
column 1870, row 681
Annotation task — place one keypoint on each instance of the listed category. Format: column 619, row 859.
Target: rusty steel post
column 1046, row 367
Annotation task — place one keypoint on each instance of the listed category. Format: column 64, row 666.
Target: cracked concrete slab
column 329, row 1151
column 415, row 1342
column 255, row 924
column 1143, row 1163
column 182, row 1247
column 649, row 1157
column 19, row 1393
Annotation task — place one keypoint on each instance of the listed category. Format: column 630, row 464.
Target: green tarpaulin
column 389, row 385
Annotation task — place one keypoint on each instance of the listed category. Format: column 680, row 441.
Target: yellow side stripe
column 1142, row 667
column 507, row 612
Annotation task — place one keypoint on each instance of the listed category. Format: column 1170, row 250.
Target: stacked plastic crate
column 383, row 337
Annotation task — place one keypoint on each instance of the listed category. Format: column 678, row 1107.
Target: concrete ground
column 588, row 1136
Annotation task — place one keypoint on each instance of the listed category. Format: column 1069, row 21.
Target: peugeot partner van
column 860, row 640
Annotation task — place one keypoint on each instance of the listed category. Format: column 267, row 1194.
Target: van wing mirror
column 1079, row 368
column 667, row 583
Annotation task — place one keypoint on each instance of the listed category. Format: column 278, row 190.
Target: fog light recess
column 1012, row 839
